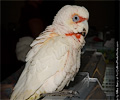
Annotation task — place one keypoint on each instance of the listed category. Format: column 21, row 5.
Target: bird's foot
column 70, row 92
column 67, row 93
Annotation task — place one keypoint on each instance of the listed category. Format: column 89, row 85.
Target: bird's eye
column 75, row 18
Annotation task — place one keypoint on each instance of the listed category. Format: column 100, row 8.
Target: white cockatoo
column 54, row 58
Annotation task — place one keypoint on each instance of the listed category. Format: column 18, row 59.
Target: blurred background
column 24, row 20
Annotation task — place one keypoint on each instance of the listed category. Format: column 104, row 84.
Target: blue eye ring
column 75, row 18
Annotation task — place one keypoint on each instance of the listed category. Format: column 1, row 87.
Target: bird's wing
column 44, row 63
column 36, row 46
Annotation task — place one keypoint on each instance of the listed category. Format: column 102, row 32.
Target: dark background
column 101, row 14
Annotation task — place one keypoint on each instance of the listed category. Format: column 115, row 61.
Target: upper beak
column 85, row 26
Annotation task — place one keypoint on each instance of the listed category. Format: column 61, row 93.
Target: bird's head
column 72, row 20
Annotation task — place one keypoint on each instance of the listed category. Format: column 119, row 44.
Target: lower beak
column 83, row 33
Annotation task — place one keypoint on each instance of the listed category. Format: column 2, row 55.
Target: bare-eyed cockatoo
column 54, row 58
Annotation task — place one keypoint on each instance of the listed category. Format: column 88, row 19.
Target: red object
column 75, row 34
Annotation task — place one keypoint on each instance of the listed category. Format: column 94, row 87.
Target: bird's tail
column 35, row 96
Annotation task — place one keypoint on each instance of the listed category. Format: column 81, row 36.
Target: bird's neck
column 74, row 34
column 59, row 30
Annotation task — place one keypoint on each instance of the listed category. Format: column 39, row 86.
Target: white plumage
column 54, row 58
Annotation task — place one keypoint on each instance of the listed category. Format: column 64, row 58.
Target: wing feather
column 43, row 63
